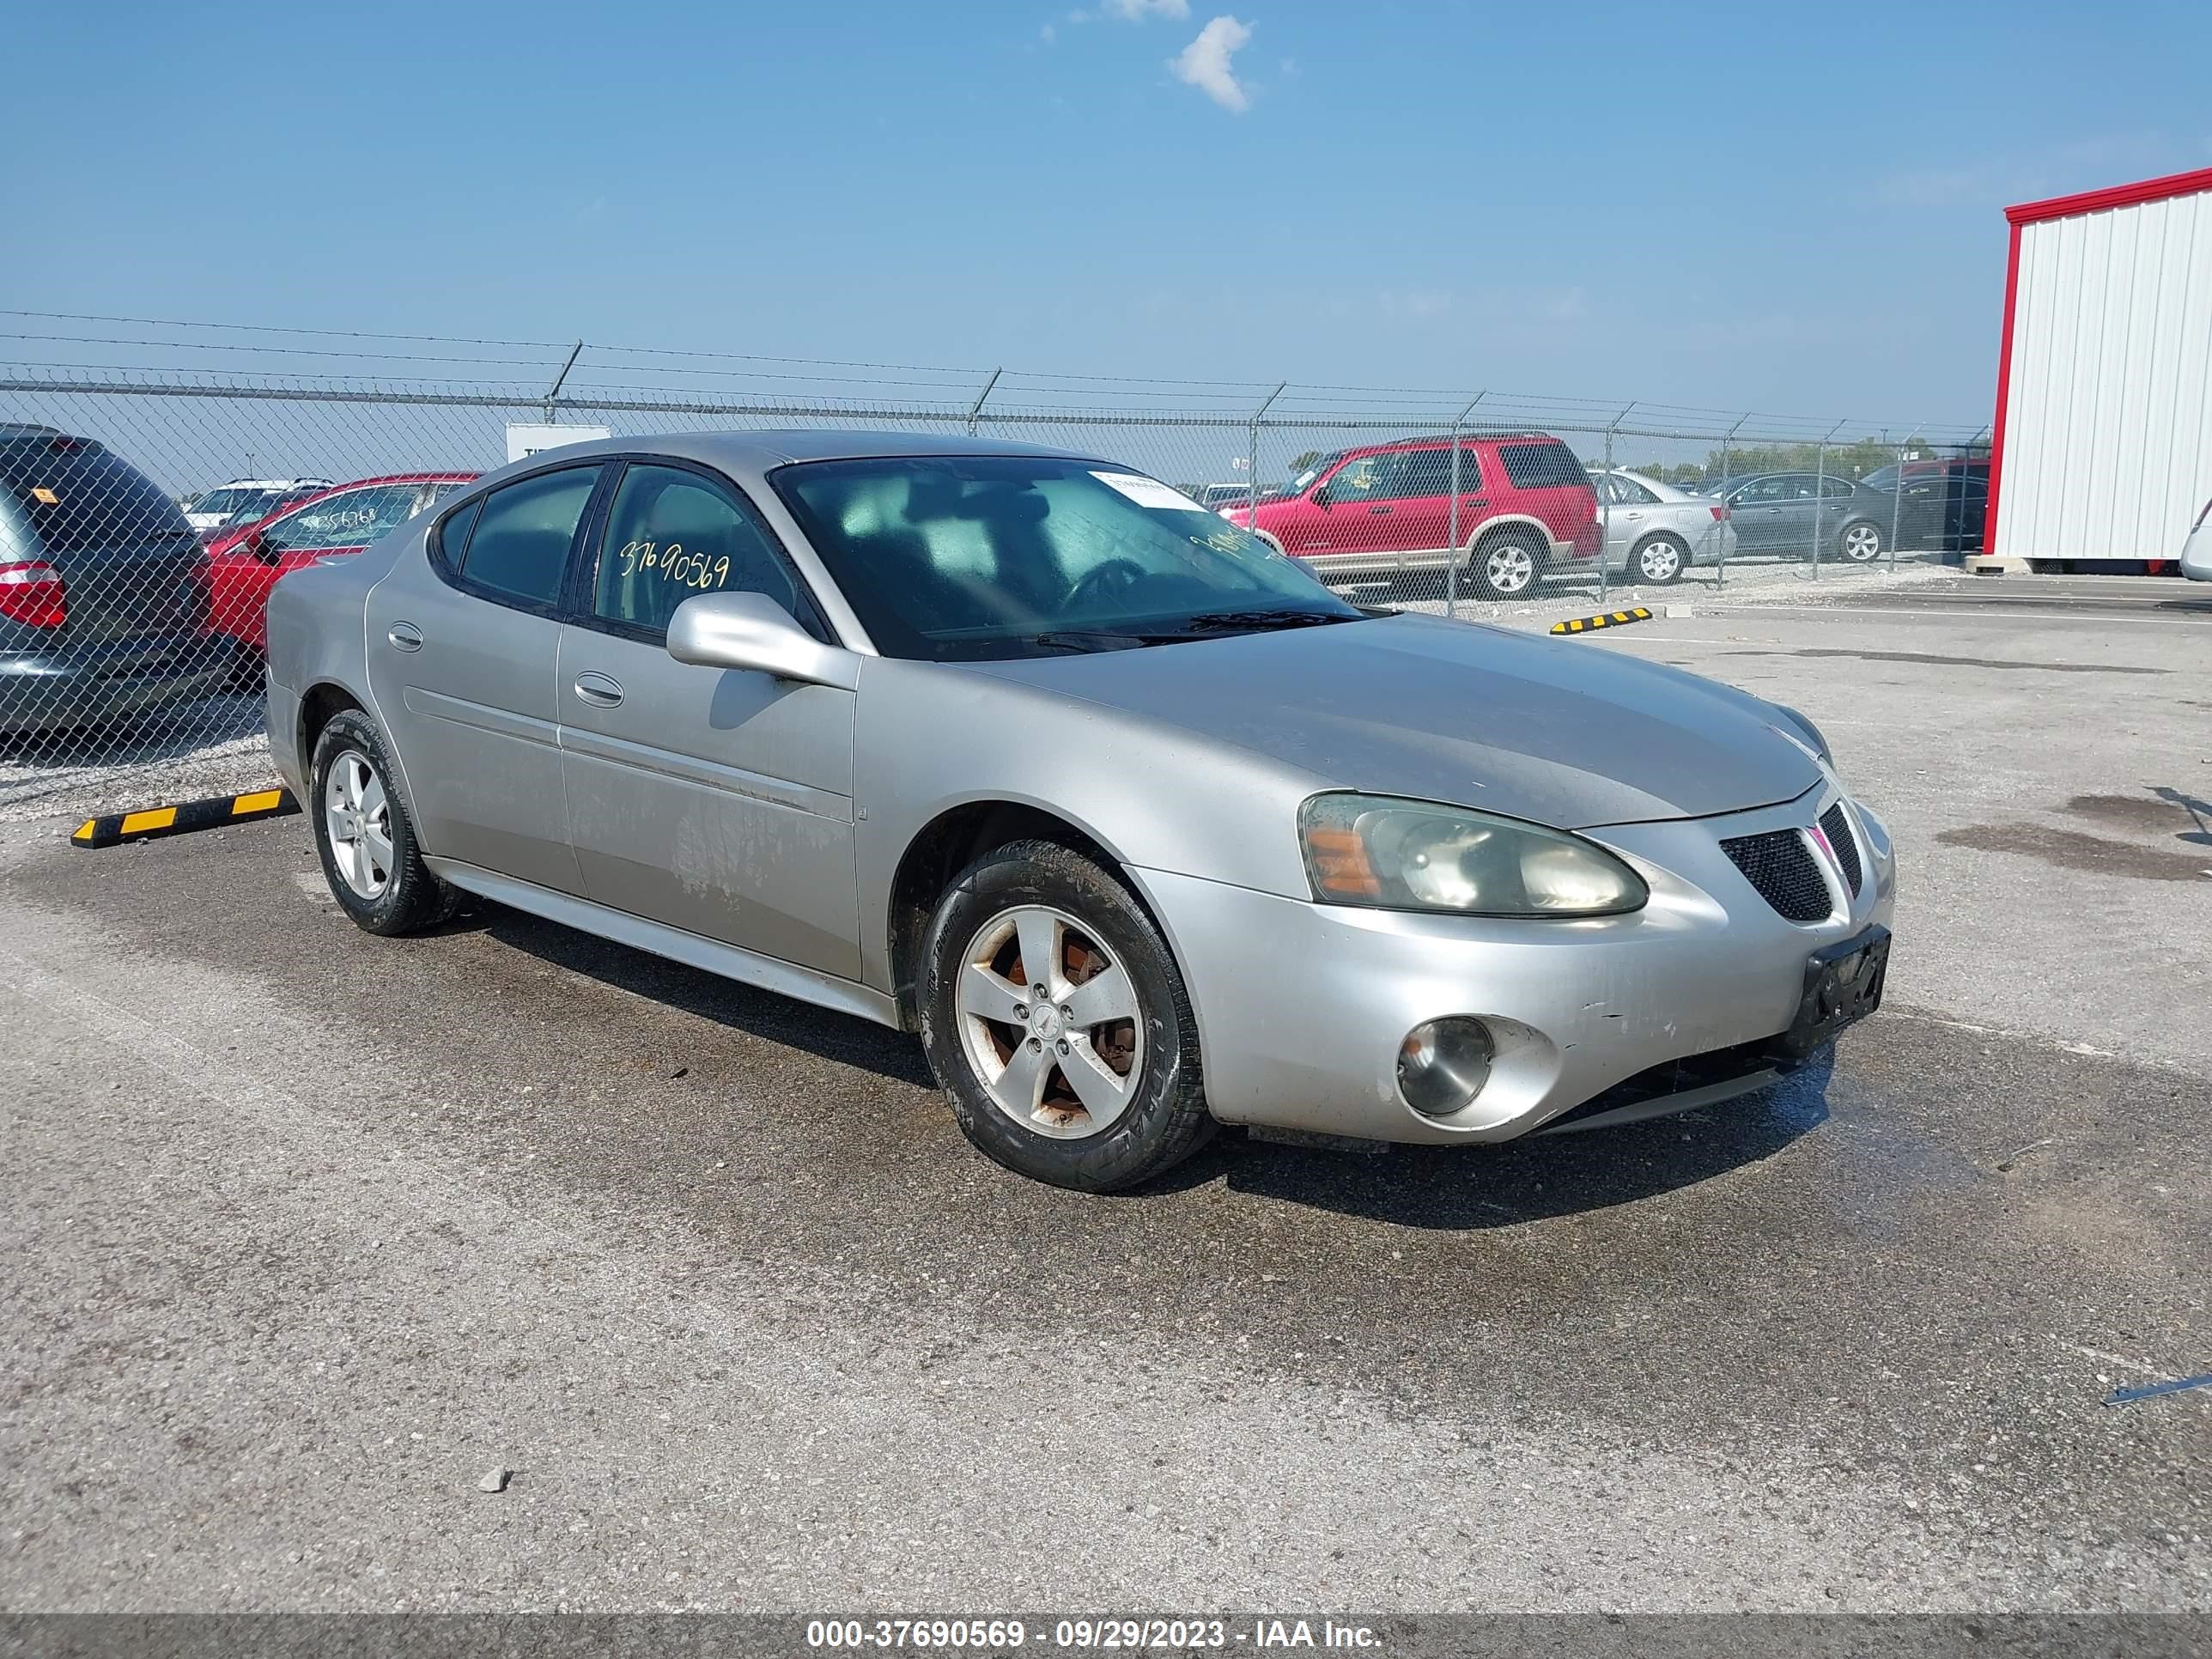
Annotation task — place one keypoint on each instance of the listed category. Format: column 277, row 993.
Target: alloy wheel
column 357, row 817
column 1862, row 542
column 1509, row 569
column 1049, row 1020
column 1659, row 561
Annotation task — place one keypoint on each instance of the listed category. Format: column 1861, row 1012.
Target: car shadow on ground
column 1458, row 1188
column 844, row 1038
column 1438, row 1188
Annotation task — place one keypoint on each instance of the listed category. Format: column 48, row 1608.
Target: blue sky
column 1763, row 206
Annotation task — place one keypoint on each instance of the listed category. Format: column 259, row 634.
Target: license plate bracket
column 1844, row 984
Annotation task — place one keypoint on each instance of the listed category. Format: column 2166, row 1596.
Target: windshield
column 991, row 557
column 1304, row 482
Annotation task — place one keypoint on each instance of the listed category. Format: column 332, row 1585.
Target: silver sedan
column 1654, row 531
column 1141, row 828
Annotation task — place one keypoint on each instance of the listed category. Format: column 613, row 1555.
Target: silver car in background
column 1140, row 827
column 2197, row 548
column 1654, row 531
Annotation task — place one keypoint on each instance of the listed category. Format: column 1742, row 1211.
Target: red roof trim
column 2113, row 196
column 2004, row 396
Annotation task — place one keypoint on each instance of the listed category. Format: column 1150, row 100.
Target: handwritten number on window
column 674, row 565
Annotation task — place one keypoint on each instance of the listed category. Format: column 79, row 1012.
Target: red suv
column 244, row 563
column 1525, row 505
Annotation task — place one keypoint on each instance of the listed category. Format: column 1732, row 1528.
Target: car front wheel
column 1055, row 1017
column 363, row 834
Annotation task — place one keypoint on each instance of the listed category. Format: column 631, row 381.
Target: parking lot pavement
column 310, row 1231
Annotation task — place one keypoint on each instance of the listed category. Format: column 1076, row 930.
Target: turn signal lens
column 1337, row 861
column 1418, row 855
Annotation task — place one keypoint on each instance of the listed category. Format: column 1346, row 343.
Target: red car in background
column 244, row 563
column 1526, row 506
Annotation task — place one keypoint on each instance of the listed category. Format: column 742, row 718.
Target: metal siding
column 2108, row 437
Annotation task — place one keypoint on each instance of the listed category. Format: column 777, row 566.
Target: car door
column 1624, row 507
column 714, row 800
column 464, row 645
column 1758, row 509
column 1418, row 519
column 1338, row 521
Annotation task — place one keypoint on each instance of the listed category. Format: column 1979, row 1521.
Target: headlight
column 1812, row 733
column 1417, row 855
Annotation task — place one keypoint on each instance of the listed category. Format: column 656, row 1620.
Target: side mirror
column 1320, row 496
column 256, row 545
column 752, row 631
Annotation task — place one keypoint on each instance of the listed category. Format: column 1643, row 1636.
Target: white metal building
column 2103, row 441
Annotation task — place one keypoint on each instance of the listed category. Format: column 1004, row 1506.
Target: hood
column 1556, row 731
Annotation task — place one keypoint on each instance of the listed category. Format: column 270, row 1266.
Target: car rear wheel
column 1057, row 1019
column 1505, row 565
column 364, row 836
column 1661, row 560
column 1861, row 542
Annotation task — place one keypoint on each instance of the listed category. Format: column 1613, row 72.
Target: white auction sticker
column 1149, row 492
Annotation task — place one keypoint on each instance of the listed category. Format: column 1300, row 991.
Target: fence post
column 976, row 408
column 1897, row 505
column 1720, row 568
column 1820, row 495
column 553, row 391
column 1252, row 462
column 1604, row 514
column 1451, row 543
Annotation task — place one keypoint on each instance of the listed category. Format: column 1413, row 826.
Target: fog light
column 1442, row 1065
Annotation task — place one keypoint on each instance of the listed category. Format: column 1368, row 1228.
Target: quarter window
column 520, row 548
column 673, row 533
column 1547, row 465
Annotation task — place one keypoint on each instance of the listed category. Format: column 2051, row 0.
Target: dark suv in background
column 103, row 588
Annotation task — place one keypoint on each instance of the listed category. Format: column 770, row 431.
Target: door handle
column 405, row 636
column 1378, row 509
column 597, row 690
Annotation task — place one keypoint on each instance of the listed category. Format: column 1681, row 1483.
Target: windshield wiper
column 1224, row 622
column 1092, row 638
column 1206, row 625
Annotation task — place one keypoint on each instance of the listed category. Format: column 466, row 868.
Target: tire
column 1121, row 1127
column 385, row 888
column 1659, row 560
column 1505, row 563
column 1859, row 542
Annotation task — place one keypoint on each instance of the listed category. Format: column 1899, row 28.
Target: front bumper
column 1301, row 1007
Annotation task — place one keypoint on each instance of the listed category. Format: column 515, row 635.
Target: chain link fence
column 145, row 512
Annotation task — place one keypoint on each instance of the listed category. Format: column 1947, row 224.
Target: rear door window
column 519, row 551
column 80, row 496
column 1549, row 464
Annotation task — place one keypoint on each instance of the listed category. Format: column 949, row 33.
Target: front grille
column 1782, row 867
column 1837, row 829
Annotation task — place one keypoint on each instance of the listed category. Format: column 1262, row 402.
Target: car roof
column 1443, row 440
column 749, row 456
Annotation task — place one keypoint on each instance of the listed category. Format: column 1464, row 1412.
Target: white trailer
column 2102, row 452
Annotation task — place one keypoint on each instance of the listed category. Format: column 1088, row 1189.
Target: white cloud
column 1047, row 34
column 1135, row 11
column 1204, row 62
